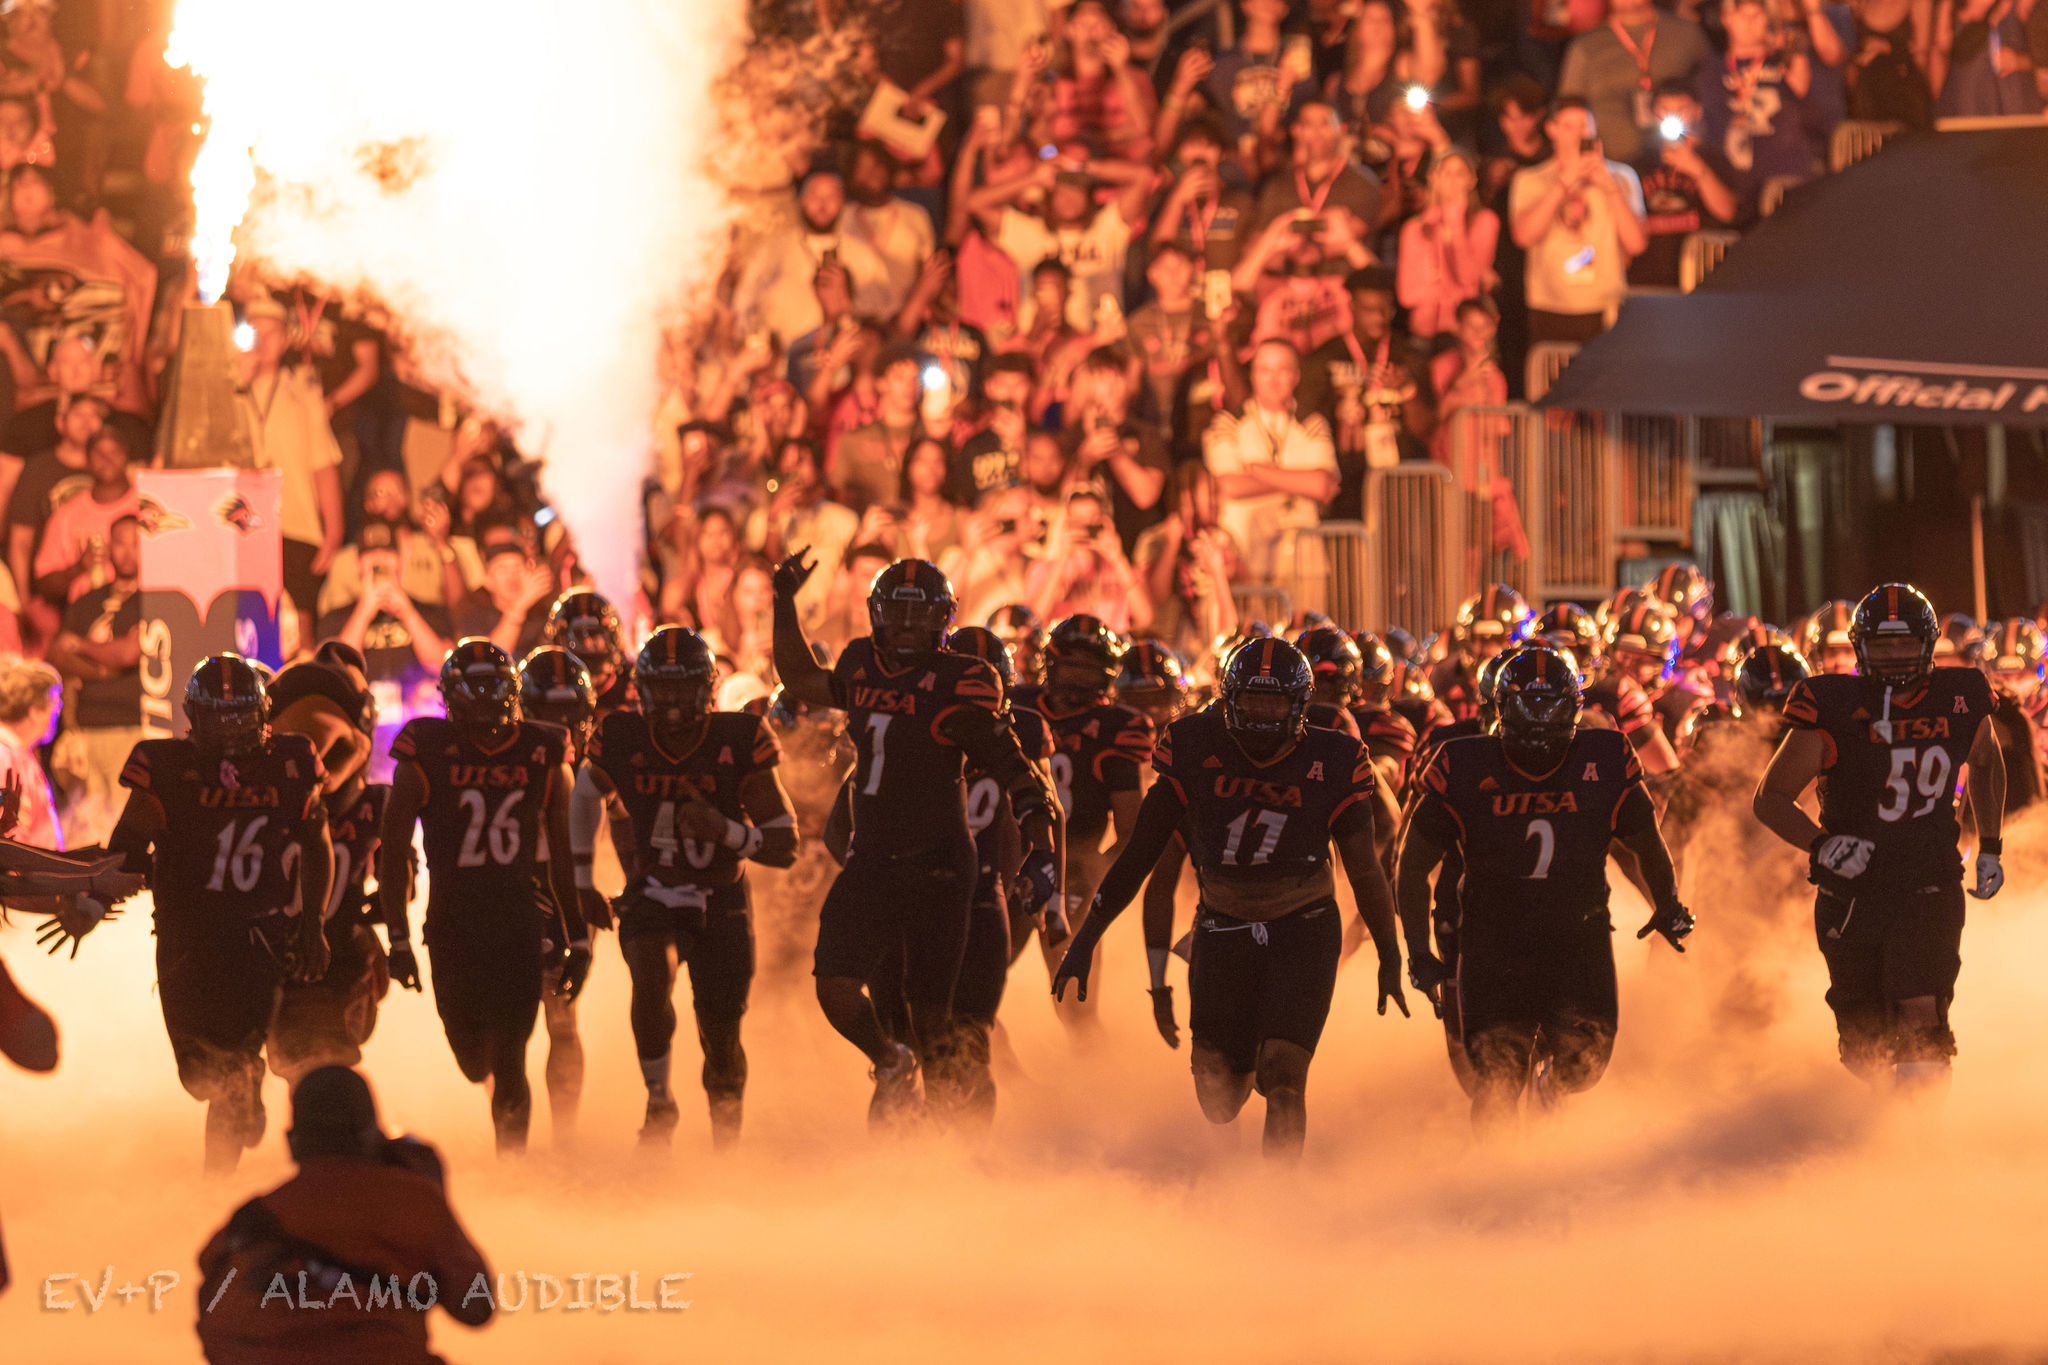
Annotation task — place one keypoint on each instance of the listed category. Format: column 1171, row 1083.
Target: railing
column 1856, row 139
column 1535, row 499
column 1414, row 534
column 1699, row 253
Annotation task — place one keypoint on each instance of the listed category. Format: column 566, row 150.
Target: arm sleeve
column 1434, row 814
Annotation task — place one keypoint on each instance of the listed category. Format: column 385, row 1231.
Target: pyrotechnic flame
column 524, row 189
column 224, row 174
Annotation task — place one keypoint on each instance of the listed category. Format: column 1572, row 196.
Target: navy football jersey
column 734, row 746
column 1891, row 766
column 987, row 802
column 1456, row 687
column 1534, row 848
column 485, row 817
column 1259, row 833
column 1098, row 750
column 1622, row 700
column 1323, row 715
column 354, row 828
column 222, row 860
column 1388, row 736
column 907, row 788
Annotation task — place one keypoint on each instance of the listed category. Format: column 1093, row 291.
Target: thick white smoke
column 525, row 187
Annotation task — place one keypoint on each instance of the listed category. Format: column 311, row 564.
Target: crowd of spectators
column 1090, row 303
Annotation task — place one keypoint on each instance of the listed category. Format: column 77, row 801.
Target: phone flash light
column 245, row 337
column 1672, row 127
column 1418, row 98
column 934, row 376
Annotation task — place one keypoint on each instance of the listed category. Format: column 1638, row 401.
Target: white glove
column 1845, row 855
column 1990, row 876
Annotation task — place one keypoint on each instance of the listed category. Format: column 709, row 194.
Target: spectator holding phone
column 1084, row 570
column 1615, row 70
column 1447, row 249
column 1579, row 216
column 1124, row 461
column 1685, row 188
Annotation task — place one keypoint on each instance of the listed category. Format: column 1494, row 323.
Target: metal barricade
column 1345, row 590
column 1266, row 602
column 1856, row 139
column 1653, row 467
column 1573, row 527
column 1415, row 526
column 1547, row 360
column 1489, row 445
column 1699, row 253
column 1729, row 451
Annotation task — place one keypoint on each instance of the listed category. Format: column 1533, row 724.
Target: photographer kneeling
column 364, row 1232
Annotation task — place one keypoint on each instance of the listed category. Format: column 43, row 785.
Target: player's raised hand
column 1990, row 876
column 1672, row 920
column 405, row 968
column 1162, row 1015
column 792, row 573
column 1390, row 985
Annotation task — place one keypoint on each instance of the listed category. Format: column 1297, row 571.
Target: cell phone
column 1587, row 144
column 1309, row 227
column 1007, row 527
column 1215, row 292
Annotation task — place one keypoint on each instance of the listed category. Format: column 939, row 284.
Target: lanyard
column 1640, row 52
column 1315, row 204
column 1198, row 225
column 1379, row 364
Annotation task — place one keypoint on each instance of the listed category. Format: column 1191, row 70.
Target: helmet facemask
column 907, row 631
column 675, row 709
column 1537, row 726
column 1898, row 658
column 228, row 729
column 484, row 701
column 1264, row 720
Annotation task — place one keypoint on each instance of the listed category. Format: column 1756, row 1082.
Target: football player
column 325, row 1023
column 1825, row 638
column 918, row 715
column 1387, row 735
column 1486, row 624
column 587, row 625
column 228, row 825
column 555, row 687
column 967, row 1088
column 1019, row 627
column 1258, row 796
column 1533, row 809
column 1885, row 745
column 702, row 793
column 1101, row 751
column 490, row 791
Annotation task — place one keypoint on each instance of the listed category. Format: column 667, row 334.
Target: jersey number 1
column 878, row 726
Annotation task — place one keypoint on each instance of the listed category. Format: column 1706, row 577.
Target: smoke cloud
column 1727, row 1193
column 526, row 187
